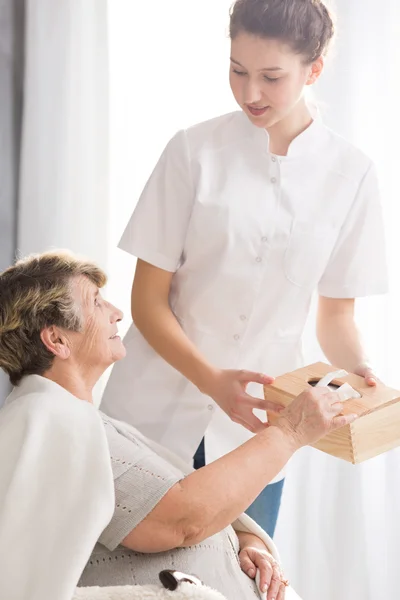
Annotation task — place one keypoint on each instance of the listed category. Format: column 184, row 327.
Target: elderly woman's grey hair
column 36, row 293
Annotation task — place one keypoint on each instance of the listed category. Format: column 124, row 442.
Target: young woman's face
column 267, row 78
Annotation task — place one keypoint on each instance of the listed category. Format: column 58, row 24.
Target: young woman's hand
column 364, row 370
column 228, row 389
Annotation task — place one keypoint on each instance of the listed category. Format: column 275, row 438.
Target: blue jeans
column 265, row 508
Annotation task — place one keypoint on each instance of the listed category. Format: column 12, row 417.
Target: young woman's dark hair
column 305, row 25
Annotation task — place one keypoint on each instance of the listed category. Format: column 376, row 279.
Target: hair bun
column 306, row 25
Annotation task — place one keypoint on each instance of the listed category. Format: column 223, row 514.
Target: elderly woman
column 57, row 336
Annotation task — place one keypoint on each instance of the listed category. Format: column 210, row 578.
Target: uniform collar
column 310, row 139
column 308, row 142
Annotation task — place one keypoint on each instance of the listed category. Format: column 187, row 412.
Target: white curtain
column 64, row 159
column 339, row 529
column 12, row 14
column 64, row 167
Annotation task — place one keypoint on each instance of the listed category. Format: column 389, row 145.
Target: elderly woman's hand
column 254, row 555
column 312, row 415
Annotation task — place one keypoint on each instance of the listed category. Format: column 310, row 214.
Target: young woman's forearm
column 157, row 323
column 159, row 327
column 340, row 341
column 338, row 334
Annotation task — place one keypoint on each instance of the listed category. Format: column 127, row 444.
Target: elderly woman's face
column 98, row 344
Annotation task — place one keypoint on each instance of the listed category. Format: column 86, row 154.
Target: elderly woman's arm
column 208, row 500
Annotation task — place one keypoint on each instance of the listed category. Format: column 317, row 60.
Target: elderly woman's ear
column 56, row 342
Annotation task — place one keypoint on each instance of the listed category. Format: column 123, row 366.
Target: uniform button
column 264, row 239
column 236, row 337
column 243, row 317
column 273, row 158
column 210, row 407
column 273, row 180
column 258, row 259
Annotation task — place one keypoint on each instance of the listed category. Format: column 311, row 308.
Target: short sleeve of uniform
column 357, row 266
column 157, row 229
column 141, row 479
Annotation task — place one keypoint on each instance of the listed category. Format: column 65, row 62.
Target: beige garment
column 141, row 479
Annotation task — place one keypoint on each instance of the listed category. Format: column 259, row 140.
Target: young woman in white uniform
column 243, row 218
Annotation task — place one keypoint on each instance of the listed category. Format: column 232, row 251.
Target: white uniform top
column 249, row 237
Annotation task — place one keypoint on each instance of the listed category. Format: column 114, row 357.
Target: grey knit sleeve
column 141, row 479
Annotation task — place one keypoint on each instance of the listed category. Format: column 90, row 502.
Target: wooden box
column 377, row 429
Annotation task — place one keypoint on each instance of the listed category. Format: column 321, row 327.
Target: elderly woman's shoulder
column 45, row 410
column 43, row 428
